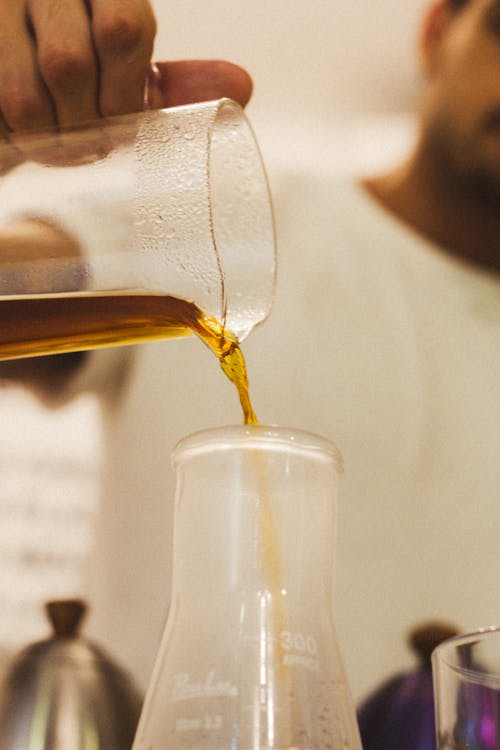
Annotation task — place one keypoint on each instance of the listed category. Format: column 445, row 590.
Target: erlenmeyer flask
column 249, row 658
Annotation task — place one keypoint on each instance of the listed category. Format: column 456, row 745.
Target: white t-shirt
column 377, row 340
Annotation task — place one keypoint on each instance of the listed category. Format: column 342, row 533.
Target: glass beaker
column 466, row 675
column 136, row 227
column 249, row 657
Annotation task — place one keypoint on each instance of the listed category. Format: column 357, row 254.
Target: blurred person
column 449, row 188
column 384, row 338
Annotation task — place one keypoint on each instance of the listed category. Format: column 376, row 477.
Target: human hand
column 67, row 61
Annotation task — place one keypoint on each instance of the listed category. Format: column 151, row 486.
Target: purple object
column 400, row 714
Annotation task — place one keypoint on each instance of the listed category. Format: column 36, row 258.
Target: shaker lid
column 66, row 616
column 65, row 644
column 66, row 681
column 426, row 636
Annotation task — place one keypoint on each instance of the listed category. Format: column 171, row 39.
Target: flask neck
column 254, row 519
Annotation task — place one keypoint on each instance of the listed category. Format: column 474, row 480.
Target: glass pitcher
column 466, row 676
column 249, row 657
column 151, row 225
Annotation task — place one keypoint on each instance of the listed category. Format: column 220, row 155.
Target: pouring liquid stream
column 79, row 321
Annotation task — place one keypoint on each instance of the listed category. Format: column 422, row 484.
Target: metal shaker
column 66, row 693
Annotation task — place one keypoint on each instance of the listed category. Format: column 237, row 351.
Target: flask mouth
column 258, row 438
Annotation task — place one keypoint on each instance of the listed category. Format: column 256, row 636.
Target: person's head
column 461, row 113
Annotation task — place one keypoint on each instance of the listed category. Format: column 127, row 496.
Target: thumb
column 182, row 82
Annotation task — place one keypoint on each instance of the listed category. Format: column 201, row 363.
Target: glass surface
column 249, row 658
column 161, row 205
column 466, row 673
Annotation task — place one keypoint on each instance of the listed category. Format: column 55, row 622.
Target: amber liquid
column 51, row 325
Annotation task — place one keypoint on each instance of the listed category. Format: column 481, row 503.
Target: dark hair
column 458, row 3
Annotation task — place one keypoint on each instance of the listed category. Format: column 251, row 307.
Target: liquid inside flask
column 249, row 657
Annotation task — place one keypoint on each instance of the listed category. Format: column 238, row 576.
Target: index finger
column 123, row 32
column 66, row 58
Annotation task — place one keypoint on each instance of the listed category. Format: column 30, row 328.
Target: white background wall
column 49, row 484
column 320, row 54
column 316, row 65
